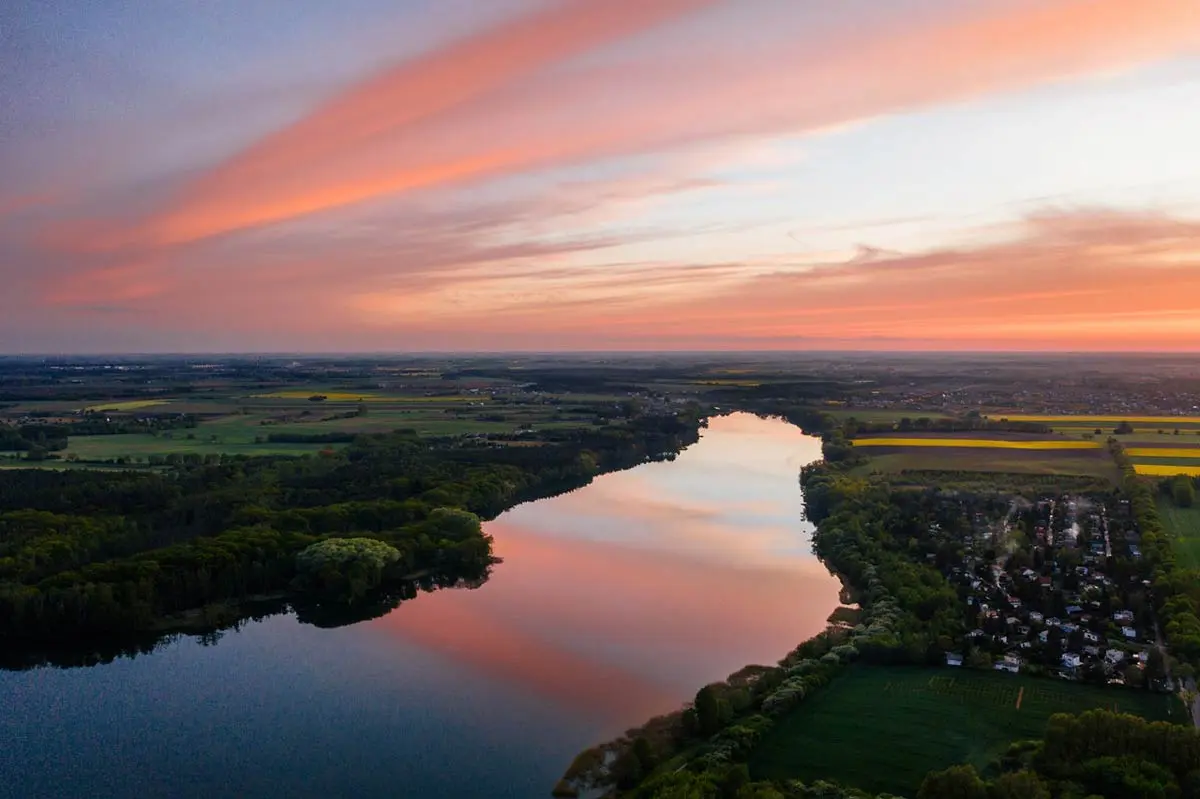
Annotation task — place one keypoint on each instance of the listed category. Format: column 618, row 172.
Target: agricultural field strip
column 1162, row 452
column 1105, row 419
column 127, row 405
column 348, row 396
column 976, row 443
column 1165, row 470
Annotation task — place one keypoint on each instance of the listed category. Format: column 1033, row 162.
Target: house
column 1074, row 610
column 1036, row 617
column 1129, row 632
column 1071, row 661
column 954, row 659
column 1011, row 664
column 1113, row 656
column 1123, row 616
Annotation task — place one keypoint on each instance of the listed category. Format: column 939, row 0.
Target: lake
column 613, row 603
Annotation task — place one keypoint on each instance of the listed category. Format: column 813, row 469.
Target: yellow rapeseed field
column 349, row 396
column 126, row 405
column 1162, row 452
column 978, row 443
column 1160, row 470
column 1084, row 419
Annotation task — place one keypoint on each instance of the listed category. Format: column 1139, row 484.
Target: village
column 1052, row 587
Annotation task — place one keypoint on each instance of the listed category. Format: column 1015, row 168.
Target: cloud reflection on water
column 619, row 599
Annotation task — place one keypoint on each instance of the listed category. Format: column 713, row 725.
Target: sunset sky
column 405, row 175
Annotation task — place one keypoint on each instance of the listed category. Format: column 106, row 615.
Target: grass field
column 977, row 443
column 140, row 445
column 363, row 396
column 883, row 728
column 1087, row 463
column 1184, row 525
column 875, row 415
column 1053, row 420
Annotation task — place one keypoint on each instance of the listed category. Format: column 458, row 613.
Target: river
column 613, row 603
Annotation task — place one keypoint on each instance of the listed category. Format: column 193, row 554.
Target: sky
column 452, row 175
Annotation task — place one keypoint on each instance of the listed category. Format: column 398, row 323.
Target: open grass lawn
column 875, row 415
column 1184, row 525
column 1100, row 420
column 1086, row 463
column 140, row 445
column 883, row 728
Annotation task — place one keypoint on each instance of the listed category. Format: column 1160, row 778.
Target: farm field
column 876, row 415
column 1166, row 470
column 1088, row 463
column 882, row 729
column 361, row 396
column 1009, row 453
column 240, row 417
column 141, row 445
column 977, row 443
column 1105, row 419
column 1176, row 453
column 1184, row 525
column 126, row 405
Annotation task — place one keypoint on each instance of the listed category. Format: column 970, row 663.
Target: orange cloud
column 491, row 105
column 1060, row 279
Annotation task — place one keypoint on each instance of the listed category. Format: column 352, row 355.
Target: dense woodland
column 96, row 555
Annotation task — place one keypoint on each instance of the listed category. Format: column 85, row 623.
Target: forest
column 95, row 555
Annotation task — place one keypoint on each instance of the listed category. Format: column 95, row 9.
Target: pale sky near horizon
column 401, row 175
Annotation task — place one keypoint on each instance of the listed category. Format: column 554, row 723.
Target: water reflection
column 613, row 603
column 620, row 599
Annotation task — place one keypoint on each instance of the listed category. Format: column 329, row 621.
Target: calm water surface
column 613, row 603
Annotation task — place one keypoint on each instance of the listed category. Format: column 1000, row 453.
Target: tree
column 1018, row 785
column 708, row 710
column 956, row 782
column 349, row 567
column 1123, row 429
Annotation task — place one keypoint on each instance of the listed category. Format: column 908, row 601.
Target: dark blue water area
column 280, row 709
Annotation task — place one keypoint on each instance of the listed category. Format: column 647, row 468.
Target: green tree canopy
column 956, row 782
column 348, row 567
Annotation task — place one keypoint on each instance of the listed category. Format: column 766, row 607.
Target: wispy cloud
column 376, row 208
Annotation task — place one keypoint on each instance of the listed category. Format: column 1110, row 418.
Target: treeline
column 1094, row 754
column 95, row 554
column 909, row 614
column 312, row 438
column 31, row 437
column 1175, row 591
column 98, row 424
